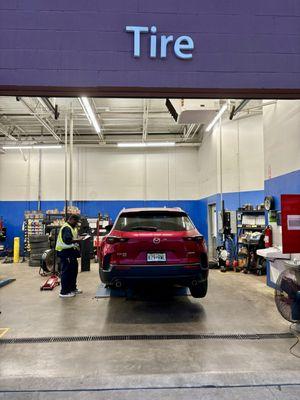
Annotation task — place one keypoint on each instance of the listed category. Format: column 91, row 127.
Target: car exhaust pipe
column 118, row 284
column 194, row 283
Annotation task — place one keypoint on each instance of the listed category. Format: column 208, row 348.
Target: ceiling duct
column 194, row 111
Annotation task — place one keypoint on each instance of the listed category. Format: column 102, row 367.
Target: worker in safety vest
column 67, row 247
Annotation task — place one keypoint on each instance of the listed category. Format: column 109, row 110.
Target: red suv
column 154, row 245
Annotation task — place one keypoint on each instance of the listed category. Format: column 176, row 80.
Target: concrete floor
column 176, row 369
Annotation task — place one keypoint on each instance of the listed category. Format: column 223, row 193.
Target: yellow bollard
column 16, row 249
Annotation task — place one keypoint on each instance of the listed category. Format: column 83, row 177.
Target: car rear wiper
column 144, row 228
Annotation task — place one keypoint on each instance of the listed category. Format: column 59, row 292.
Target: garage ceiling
column 29, row 121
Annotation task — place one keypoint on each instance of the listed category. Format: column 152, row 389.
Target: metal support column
column 71, row 157
column 40, row 181
column 66, row 163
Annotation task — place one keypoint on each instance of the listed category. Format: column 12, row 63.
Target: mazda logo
column 156, row 240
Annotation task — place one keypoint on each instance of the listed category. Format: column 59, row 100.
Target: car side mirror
column 108, row 228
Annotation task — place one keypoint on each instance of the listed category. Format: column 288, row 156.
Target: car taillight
column 198, row 239
column 115, row 239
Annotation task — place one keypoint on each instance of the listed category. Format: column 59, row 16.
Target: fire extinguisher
column 268, row 237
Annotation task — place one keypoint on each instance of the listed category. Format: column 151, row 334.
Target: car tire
column 38, row 239
column 36, row 257
column 200, row 290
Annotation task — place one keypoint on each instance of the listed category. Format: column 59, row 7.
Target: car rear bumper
column 175, row 274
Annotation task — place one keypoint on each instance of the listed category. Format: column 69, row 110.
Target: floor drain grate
column 106, row 338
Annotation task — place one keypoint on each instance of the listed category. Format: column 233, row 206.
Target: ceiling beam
column 7, row 134
column 41, row 121
column 239, row 108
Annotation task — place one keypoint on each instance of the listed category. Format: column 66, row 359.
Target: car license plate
column 156, row 257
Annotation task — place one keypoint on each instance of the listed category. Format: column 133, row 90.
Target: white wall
column 103, row 174
column 242, row 157
column 18, row 178
column 208, row 164
column 282, row 138
column 153, row 174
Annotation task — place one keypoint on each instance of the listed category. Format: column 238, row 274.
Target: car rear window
column 154, row 221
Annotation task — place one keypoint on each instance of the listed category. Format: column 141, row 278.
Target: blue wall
column 232, row 201
column 284, row 184
column 13, row 211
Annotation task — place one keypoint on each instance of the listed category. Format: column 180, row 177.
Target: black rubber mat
column 63, row 339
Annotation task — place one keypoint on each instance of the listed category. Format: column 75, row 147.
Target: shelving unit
column 250, row 221
column 2, row 234
column 53, row 220
column 33, row 225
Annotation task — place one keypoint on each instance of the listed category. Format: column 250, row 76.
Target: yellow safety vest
column 60, row 244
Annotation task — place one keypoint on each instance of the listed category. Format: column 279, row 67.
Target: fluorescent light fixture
column 33, row 147
column 87, row 108
column 41, row 147
column 160, row 144
column 131, row 144
column 217, row 117
column 84, row 109
column 147, row 144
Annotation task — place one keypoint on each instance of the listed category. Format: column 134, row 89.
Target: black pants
column 68, row 275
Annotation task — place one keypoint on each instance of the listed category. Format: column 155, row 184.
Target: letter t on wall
column 137, row 30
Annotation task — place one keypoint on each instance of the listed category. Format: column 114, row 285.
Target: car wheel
column 200, row 290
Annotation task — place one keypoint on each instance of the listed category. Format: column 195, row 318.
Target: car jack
column 51, row 283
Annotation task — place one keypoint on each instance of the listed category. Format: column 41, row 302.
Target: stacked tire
column 38, row 245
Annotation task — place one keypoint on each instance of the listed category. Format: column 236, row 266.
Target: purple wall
column 82, row 43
